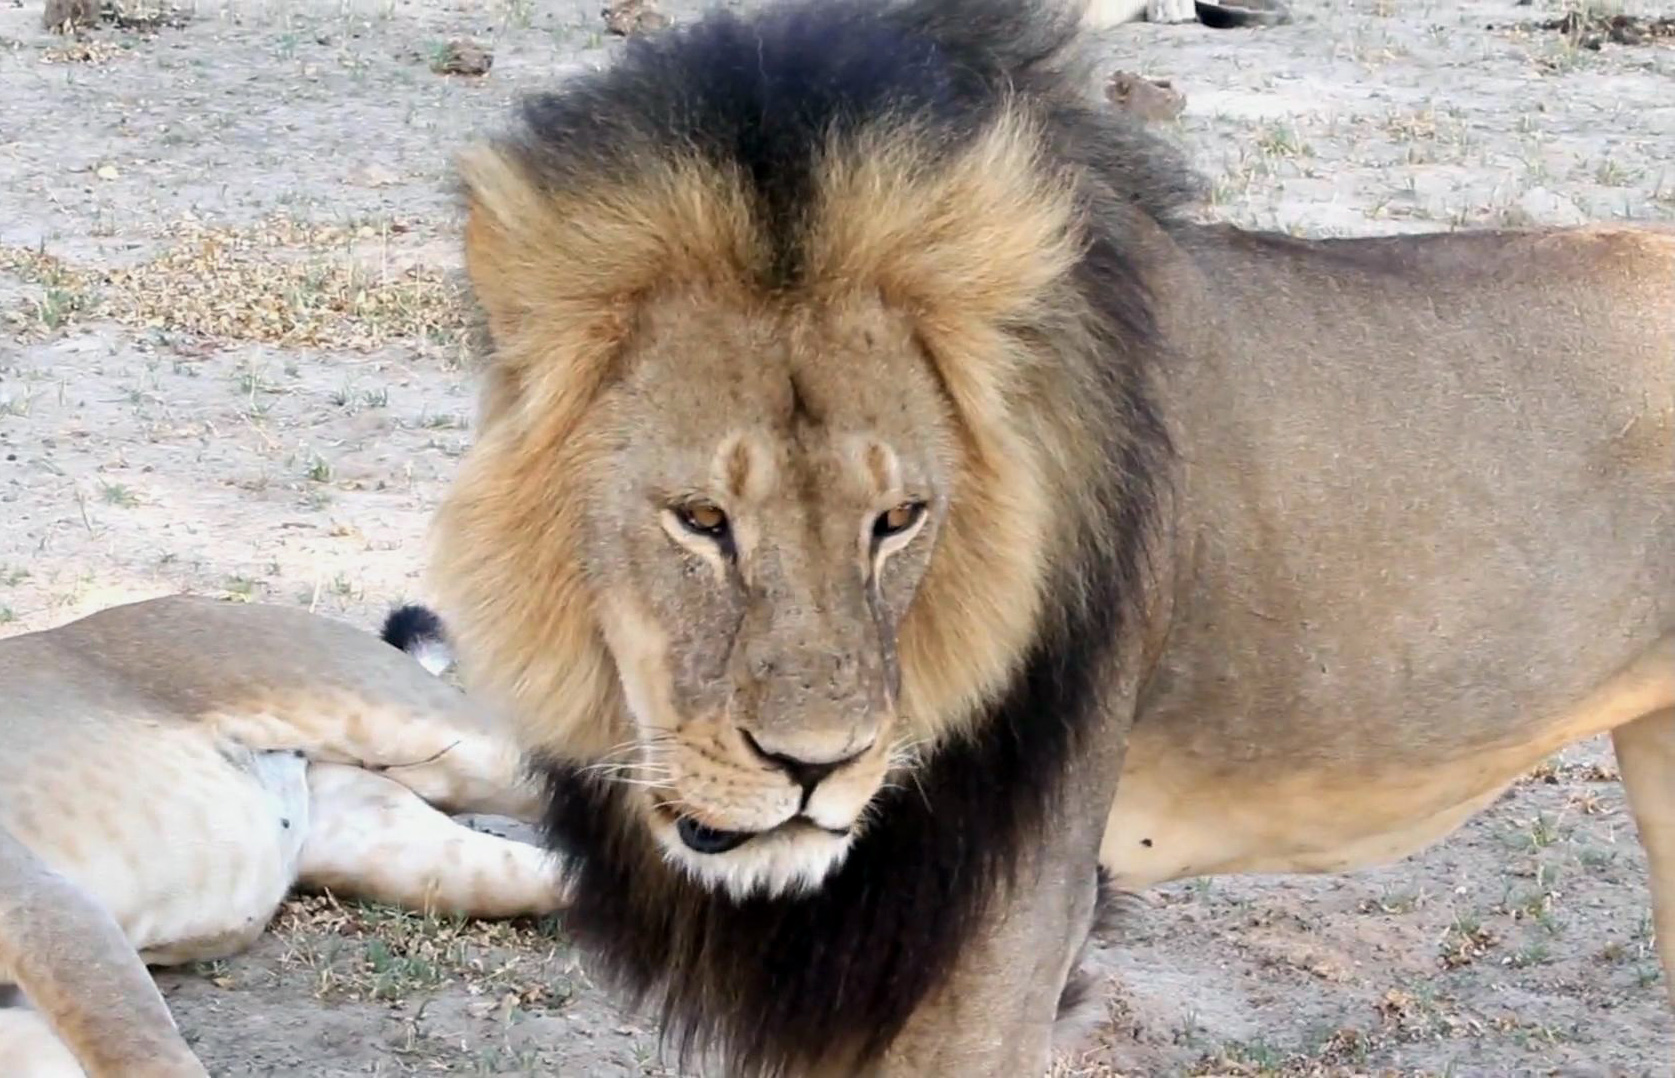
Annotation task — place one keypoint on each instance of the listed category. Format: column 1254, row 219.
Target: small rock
column 1148, row 99
column 1624, row 32
column 628, row 17
column 462, row 57
column 107, row 172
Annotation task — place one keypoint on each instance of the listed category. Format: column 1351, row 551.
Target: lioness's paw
column 1171, row 11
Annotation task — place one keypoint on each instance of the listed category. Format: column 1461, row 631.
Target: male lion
column 887, row 508
column 172, row 768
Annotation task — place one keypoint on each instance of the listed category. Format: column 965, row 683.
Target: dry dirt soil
column 232, row 362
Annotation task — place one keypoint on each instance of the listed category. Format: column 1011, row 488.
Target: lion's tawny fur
column 961, row 272
column 1225, row 551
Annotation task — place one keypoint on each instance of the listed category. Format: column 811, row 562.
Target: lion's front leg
column 994, row 1017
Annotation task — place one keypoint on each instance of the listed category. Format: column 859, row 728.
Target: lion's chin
column 793, row 858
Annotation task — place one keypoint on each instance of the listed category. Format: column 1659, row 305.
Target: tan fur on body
column 1417, row 530
column 173, row 768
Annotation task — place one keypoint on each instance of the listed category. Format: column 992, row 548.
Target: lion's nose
column 804, row 772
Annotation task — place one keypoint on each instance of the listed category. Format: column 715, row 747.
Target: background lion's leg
column 1646, row 757
column 59, row 15
column 1171, row 11
column 1104, row 14
column 373, row 838
column 242, row 827
column 188, row 845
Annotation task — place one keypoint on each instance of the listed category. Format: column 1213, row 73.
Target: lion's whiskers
column 635, row 775
column 905, row 753
column 634, row 745
column 678, row 805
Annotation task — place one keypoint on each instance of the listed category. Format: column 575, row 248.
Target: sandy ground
column 231, row 361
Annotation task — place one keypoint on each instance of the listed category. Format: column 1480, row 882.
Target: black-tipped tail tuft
column 412, row 626
column 418, row 631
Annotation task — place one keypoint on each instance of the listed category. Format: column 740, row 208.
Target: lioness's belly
column 189, row 845
column 1189, row 812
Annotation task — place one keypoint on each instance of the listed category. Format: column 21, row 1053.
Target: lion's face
column 691, row 549
column 760, row 515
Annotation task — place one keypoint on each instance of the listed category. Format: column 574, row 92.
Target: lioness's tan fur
column 171, row 769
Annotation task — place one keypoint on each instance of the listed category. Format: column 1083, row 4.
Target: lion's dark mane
column 778, row 984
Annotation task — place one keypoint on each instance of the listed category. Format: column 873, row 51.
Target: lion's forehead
column 835, row 401
column 852, row 363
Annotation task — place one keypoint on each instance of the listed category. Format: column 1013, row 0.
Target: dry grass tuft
column 1340, row 1053
column 285, row 283
column 280, row 282
column 365, row 951
column 64, row 290
column 84, row 52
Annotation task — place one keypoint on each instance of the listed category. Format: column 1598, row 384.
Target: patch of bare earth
column 233, row 360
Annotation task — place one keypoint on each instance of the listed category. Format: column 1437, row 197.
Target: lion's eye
column 704, row 519
column 896, row 520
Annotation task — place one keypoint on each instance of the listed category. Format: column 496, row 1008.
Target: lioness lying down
column 888, row 506
column 171, row 769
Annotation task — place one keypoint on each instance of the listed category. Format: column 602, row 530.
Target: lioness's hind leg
column 70, row 958
column 1646, row 757
column 439, row 756
column 371, row 837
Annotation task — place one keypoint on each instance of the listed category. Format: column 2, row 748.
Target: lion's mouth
column 709, row 840
column 701, row 839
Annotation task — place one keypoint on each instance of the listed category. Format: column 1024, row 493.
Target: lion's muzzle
column 806, row 775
